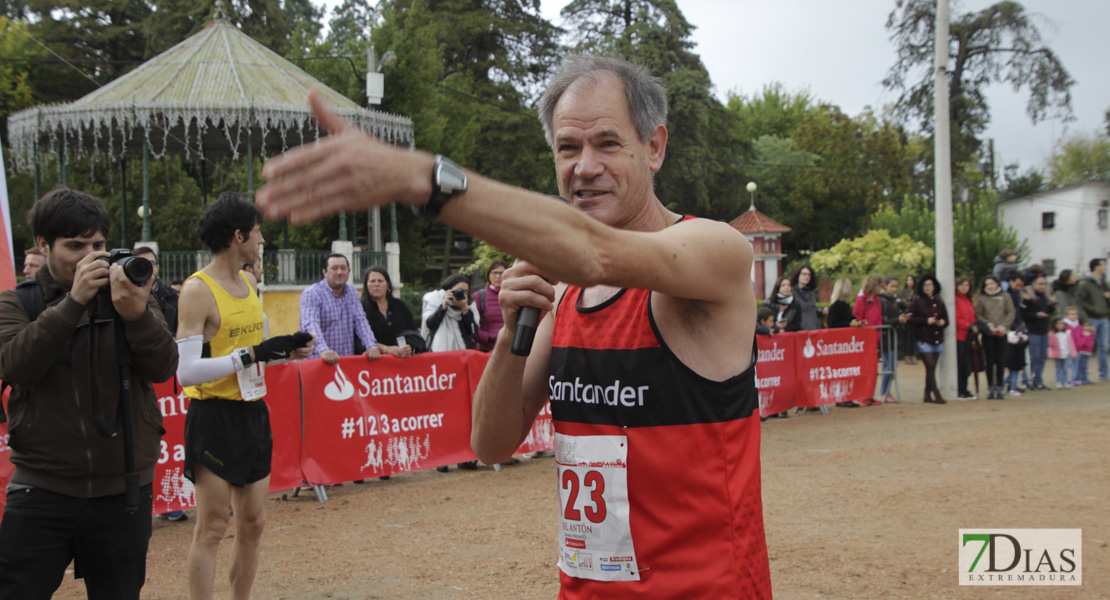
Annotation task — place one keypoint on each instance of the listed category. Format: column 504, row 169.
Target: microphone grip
column 525, row 332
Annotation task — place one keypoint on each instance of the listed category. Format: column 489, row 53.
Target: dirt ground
column 859, row 504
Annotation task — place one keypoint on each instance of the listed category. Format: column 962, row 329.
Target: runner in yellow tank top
column 227, row 441
column 240, row 327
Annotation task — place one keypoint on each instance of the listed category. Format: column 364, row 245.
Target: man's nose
column 589, row 164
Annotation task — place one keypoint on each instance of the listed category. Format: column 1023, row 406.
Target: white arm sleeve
column 194, row 370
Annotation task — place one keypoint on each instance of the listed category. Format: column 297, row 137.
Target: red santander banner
column 542, row 434
column 365, row 418
column 173, row 491
column 774, row 373
column 835, row 365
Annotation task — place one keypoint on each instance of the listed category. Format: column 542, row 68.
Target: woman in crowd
column 448, row 319
column 449, row 322
column 893, row 317
column 929, row 314
column 967, row 335
column 804, row 284
column 489, row 309
column 787, row 315
column 1063, row 291
column 388, row 316
column 869, row 311
column 994, row 312
column 908, row 337
column 840, row 312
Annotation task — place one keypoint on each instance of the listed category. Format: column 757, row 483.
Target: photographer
column 448, row 319
column 66, row 500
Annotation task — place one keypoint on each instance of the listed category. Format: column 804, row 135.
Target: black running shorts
column 231, row 438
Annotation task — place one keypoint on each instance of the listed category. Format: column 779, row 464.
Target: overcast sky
column 839, row 50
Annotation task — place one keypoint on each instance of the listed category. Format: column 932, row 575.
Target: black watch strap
column 448, row 181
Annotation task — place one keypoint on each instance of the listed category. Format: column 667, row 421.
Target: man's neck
column 338, row 291
column 654, row 217
column 225, row 266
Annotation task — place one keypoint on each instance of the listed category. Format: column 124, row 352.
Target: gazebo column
column 123, row 202
column 38, row 173
column 146, row 186
column 250, row 160
column 62, row 173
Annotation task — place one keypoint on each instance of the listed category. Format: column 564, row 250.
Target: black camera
column 458, row 295
column 138, row 270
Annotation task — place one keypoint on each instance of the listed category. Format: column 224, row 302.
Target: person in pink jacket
column 1083, row 337
column 1062, row 350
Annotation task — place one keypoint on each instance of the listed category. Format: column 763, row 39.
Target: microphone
column 525, row 332
column 526, row 321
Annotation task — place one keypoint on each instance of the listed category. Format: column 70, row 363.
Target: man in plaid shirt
column 331, row 310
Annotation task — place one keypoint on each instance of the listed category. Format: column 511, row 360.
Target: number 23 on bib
column 595, row 540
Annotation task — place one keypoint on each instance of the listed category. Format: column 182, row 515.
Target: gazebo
column 217, row 92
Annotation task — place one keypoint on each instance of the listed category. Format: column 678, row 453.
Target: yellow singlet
column 240, row 327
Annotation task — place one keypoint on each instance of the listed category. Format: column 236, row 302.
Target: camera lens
column 138, row 270
column 458, row 294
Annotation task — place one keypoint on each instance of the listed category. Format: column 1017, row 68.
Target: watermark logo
column 340, row 388
column 1021, row 557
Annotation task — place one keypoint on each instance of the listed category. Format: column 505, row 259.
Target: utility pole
column 946, row 266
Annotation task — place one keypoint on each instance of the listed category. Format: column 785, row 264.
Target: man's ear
column 40, row 241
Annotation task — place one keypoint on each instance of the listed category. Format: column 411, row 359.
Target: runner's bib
column 252, row 381
column 595, row 540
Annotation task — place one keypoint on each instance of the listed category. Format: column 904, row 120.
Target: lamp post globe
column 752, row 187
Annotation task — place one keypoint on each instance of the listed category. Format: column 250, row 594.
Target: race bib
column 252, row 382
column 595, row 540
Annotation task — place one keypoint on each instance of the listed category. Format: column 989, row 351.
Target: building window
column 1102, row 219
column 1048, row 220
column 1049, row 265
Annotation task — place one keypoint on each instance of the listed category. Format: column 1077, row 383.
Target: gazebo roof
column 195, row 98
column 753, row 221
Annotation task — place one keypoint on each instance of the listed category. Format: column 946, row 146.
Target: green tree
column 1080, row 158
column 16, row 91
column 875, row 252
column 1019, row 184
column 999, row 44
column 773, row 111
column 858, row 165
column 977, row 234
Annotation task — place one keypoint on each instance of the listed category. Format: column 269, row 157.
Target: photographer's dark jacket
column 55, row 445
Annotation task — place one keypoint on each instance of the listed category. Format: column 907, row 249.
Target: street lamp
column 375, row 91
column 751, row 190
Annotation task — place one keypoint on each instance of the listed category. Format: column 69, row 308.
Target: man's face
column 892, row 288
column 1039, row 285
column 602, row 166
column 1100, row 270
column 62, row 257
column 31, row 264
column 249, row 244
column 153, row 262
column 1017, row 283
column 337, row 272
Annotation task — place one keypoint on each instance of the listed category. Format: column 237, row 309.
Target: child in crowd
column 1062, row 350
column 1015, row 358
column 1083, row 335
column 765, row 322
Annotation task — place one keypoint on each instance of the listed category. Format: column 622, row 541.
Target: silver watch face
column 450, row 177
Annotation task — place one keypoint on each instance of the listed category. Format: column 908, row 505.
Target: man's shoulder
column 313, row 290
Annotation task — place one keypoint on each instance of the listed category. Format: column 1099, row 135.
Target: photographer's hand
column 128, row 298
column 91, row 275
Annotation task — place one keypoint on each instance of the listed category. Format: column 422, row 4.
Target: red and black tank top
column 694, row 504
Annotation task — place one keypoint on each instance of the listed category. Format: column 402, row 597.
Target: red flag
column 7, row 263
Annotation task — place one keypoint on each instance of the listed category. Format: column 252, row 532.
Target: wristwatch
column 448, row 181
column 245, row 357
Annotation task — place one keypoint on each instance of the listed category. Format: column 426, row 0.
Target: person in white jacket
column 448, row 320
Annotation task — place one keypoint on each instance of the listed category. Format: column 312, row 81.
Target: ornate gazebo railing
column 283, row 267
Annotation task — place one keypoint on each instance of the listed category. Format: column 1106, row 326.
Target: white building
column 1066, row 227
